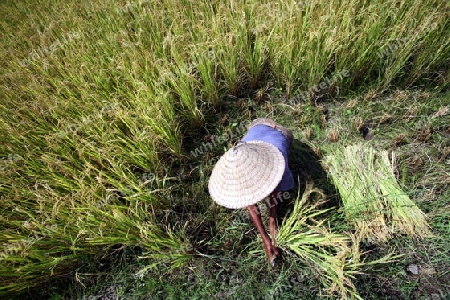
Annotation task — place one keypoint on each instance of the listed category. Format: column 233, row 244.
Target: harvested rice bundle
column 334, row 257
column 405, row 216
column 325, row 252
column 352, row 170
column 373, row 200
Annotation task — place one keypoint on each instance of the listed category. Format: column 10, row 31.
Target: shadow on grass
column 306, row 167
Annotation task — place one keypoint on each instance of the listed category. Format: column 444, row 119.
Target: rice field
column 113, row 114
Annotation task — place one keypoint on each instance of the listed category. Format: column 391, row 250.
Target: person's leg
column 271, row 251
column 273, row 217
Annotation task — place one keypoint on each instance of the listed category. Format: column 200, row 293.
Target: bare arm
column 273, row 216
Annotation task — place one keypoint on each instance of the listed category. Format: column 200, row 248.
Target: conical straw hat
column 246, row 174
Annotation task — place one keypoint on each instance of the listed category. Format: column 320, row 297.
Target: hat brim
column 246, row 174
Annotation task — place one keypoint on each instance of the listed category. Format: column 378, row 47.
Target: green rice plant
column 335, row 257
column 432, row 46
column 229, row 62
column 296, row 64
column 84, row 222
column 35, row 261
column 373, row 41
column 163, row 122
column 225, row 45
column 255, row 48
column 395, row 52
column 286, row 27
column 373, row 200
column 57, row 184
column 208, row 73
column 184, row 84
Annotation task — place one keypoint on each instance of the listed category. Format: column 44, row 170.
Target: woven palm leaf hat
column 246, row 174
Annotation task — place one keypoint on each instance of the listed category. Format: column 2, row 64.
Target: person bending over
column 256, row 167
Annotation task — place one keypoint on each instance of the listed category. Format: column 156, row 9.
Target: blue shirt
column 272, row 136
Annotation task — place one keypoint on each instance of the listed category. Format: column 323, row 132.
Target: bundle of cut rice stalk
column 373, row 200
column 334, row 257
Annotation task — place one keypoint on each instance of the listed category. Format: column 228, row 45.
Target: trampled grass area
column 114, row 112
